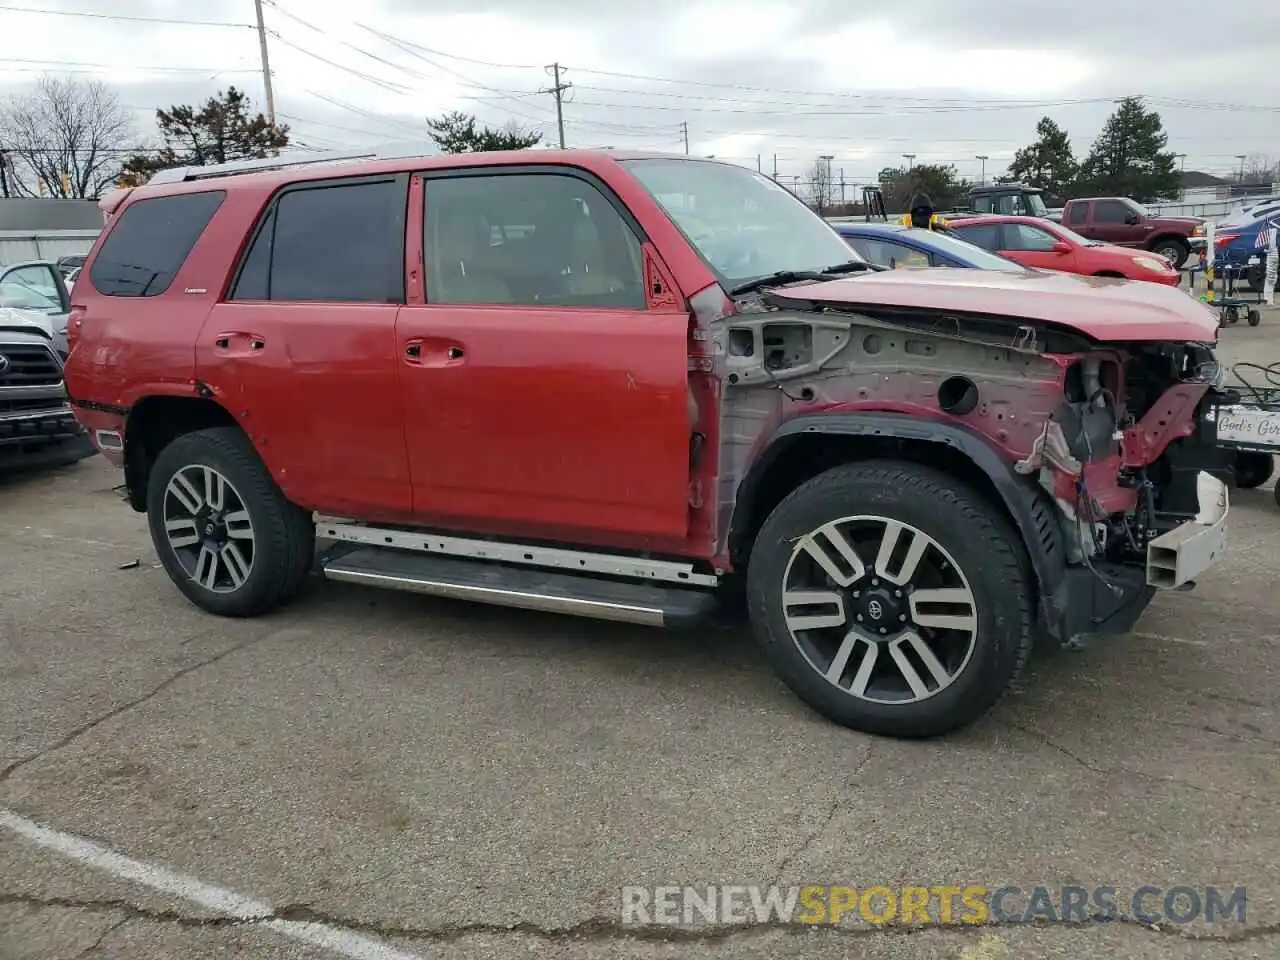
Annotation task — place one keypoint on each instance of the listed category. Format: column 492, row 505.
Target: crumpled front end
column 1109, row 448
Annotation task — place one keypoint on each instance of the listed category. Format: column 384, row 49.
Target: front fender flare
column 1027, row 507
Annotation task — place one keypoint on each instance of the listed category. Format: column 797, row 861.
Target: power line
column 123, row 17
column 369, row 78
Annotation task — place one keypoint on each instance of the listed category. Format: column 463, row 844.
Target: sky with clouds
column 943, row 80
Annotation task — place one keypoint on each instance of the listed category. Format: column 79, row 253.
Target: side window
column 985, row 235
column 982, row 204
column 149, row 243
column 1019, row 236
column 529, row 239
column 340, row 242
column 1109, row 211
column 1076, row 213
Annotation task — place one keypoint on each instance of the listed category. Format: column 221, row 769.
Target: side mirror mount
column 1133, row 219
column 1061, row 246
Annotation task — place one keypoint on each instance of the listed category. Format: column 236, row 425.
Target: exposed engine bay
column 1114, row 434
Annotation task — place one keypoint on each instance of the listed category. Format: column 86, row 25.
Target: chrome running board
column 529, row 589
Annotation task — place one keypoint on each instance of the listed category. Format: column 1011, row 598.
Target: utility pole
column 984, row 158
column 1182, row 175
column 558, row 92
column 4, row 174
column 266, row 64
column 684, row 132
column 842, row 186
column 759, row 168
column 775, row 168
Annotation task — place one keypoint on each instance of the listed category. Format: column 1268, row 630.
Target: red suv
column 627, row 386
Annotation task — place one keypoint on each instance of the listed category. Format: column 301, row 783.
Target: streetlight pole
column 910, row 158
column 1182, row 175
column 984, row 158
column 820, row 190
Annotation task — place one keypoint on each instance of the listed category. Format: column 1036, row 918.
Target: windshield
column 18, row 296
column 1072, row 235
column 1035, row 205
column 971, row 253
column 743, row 224
column 1135, row 206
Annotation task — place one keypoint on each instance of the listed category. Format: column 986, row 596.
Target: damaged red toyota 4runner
column 628, row 386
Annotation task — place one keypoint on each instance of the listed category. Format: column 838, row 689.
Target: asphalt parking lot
column 382, row 775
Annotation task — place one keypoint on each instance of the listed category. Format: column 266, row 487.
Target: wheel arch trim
column 1020, row 501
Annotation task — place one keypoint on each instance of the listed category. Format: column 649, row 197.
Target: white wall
column 18, row 245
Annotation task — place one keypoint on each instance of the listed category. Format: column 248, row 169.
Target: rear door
column 305, row 344
column 545, row 389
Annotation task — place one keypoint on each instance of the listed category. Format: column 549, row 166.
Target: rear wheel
column 222, row 529
column 891, row 599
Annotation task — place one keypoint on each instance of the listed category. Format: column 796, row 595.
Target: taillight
column 1222, row 239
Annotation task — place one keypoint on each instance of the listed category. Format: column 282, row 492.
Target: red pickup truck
column 1123, row 222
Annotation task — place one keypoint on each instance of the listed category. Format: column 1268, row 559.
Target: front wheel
column 891, row 598
column 222, row 529
column 1253, row 469
column 1175, row 251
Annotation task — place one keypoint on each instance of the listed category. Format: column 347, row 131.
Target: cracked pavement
column 471, row 782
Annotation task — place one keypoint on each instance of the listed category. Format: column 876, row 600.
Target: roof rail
column 298, row 159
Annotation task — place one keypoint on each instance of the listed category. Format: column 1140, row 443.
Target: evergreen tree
column 459, row 132
column 1048, row 163
column 1130, row 159
column 222, row 130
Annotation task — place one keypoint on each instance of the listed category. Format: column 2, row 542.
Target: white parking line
column 219, row 900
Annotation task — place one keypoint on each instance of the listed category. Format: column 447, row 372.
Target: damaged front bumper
column 1176, row 558
column 1108, row 598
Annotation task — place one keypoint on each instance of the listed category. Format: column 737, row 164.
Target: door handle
column 433, row 352
column 243, row 342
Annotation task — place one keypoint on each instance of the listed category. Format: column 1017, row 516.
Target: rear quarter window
column 149, row 243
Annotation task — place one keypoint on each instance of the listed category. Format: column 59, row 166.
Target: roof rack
column 184, row 174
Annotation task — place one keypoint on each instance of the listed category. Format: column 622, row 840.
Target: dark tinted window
column 1110, row 211
column 536, row 239
column 1076, row 212
column 985, row 235
column 341, row 242
column 149, row 243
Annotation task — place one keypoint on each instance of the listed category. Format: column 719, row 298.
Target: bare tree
column 1260, row 168
column 820, row 187
column 65, row 135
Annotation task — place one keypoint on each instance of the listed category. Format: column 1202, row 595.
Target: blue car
column 897, row 246
column 1237, row 246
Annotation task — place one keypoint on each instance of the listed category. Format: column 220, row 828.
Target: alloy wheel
column 880, row 609
column 209, row 529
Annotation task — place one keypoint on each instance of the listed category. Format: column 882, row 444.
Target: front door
column 1034, row 247
column 544, row 395
column 305, row 345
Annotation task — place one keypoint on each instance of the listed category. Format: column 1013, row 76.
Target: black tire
column 990, row 557
column 1174, row 250
column 1253, row 469
column 283, row 534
